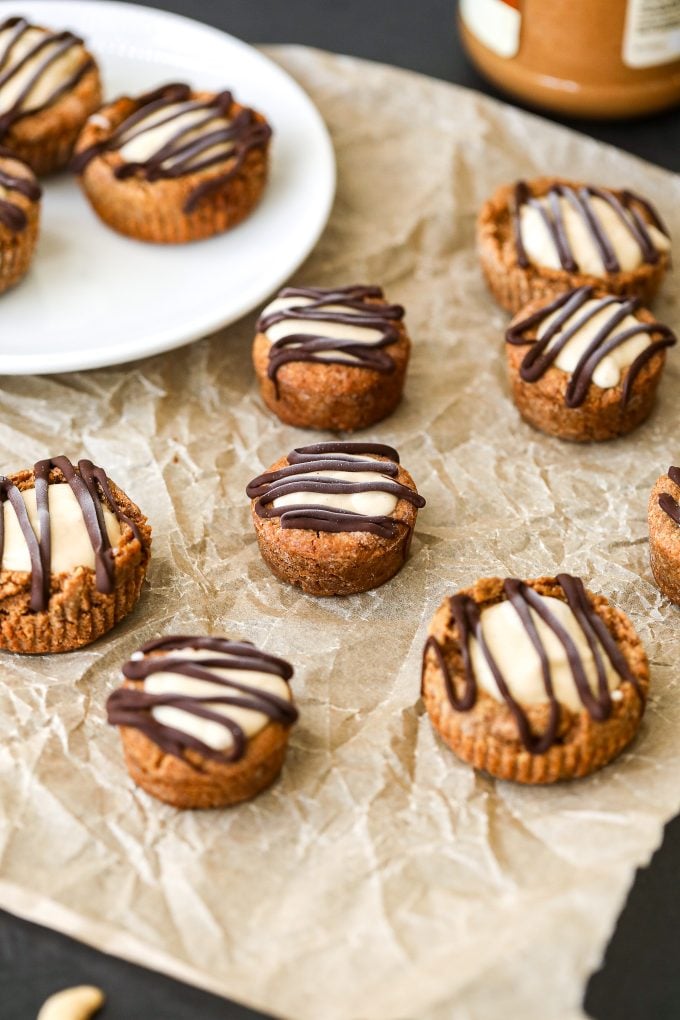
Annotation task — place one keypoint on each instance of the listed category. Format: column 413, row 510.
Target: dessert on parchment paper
column 664, row 533
column 204, row 721
column 74, row 550
column 335, row 518
column 534, row 681
column 331, row 358
column 587, row 365
column 539, row 238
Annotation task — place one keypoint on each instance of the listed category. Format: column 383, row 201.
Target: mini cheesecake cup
column 155, row 210
column 18, row 239
column 77, row 613
column 180, row 715
column 334, row 396
column 664, row 538
column 514, row 286
column 45, row 139
column 336, row 563
column 486, row 736
column 603, row 414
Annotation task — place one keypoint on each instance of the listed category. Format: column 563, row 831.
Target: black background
column 641, row 977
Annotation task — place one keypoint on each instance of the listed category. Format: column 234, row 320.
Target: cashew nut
column 78, row 1003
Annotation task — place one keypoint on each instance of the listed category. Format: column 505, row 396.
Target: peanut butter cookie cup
column 19, row 218
column 335, row 518
column 664, row 533
column 534, row 681
column 204, row 721
column 73, row 555
column 537, row 239
column 49, row 85
column 173, row 165
column 587, row 365
column 331, row 358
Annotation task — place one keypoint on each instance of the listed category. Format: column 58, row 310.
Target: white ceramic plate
column 94, row 298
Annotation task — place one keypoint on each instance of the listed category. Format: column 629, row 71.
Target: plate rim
column 169, row 339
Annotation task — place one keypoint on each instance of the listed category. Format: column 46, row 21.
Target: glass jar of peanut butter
column 589, row 58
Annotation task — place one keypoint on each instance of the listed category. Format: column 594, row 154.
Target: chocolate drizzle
column 362, row 310
column 180, row 155
column 131, row 706
column 466, row 616
column 627, row 208
column 11, row 214
column 306, row 460
column 542, row 354
column 52, row 45
column 667, row 503
column 90, row 486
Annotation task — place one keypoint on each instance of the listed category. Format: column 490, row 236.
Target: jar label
column 496, row 23
column 652, row 32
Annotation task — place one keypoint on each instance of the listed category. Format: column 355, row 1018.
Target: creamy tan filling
column 212, row 733
column 519, row 662
column 49, row 82
column 331, row 330
column 70, row 542
column 370, row 504
column 614, row 365
column 149, row 136
column 542, row 251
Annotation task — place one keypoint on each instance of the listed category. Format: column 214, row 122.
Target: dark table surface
column 640, row 979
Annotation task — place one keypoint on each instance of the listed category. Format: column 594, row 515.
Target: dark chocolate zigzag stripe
column 178, row 156
column 54, row 45
column 90, row 485
column 328, row 457
column 131, row 706
column 627, row 209
column 667, row 503
column 362, row 311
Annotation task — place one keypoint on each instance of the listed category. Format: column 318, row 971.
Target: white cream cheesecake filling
column 372, row 503
column 614, row 365
column 150, row 135
column 70, row 542
column 208, row 731
column 541, row 249
column 317, row 327
column 50, row 80
column 510, row 645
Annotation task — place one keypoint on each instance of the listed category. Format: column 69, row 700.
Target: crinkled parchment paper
column 380, row 879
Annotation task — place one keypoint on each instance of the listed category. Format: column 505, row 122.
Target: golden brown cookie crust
column 664, row 540
column 77, row 613
column 201, row 782
column 153, row 210
column 514, row 286
column 18, row 246
column 45, row 139
column 602, row 415
column 328, row 563
column 486, row 736
column 339, row 398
